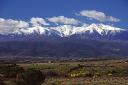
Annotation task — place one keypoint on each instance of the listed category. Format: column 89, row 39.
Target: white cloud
column 36, row 21
column 64, row 20
column 10, row 25
column 100, row 16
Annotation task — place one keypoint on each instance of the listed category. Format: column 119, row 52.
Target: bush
column 2, row 83
column 33, row 77
column 11, row 71
column 51, row 73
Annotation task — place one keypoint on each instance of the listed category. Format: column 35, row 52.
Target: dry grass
column 87, row 81
column 65, row 67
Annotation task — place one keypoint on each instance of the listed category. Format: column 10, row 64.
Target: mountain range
column 95, row 40
column 93, row 31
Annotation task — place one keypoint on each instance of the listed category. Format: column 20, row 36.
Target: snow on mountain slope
column 103, row 29
column 68, row 30
column 64, row 30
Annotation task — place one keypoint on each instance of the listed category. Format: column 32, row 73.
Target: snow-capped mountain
column 95, row 40
column 94, row 31
column 103, row 29
column 68, row 30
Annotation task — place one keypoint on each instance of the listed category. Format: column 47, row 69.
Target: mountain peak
column 69, row 30
column 103, row 29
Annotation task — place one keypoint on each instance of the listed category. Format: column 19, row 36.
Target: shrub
column 33, row 77
column 2, row 83
column 11, row 71
column 52, row 73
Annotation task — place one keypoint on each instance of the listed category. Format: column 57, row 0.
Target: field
column 87, row 72
column 101, row 72
column 88, row 81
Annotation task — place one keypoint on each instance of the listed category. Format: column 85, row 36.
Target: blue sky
column 26, row 9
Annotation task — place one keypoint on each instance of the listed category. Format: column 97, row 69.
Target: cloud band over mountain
column 11, row 25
